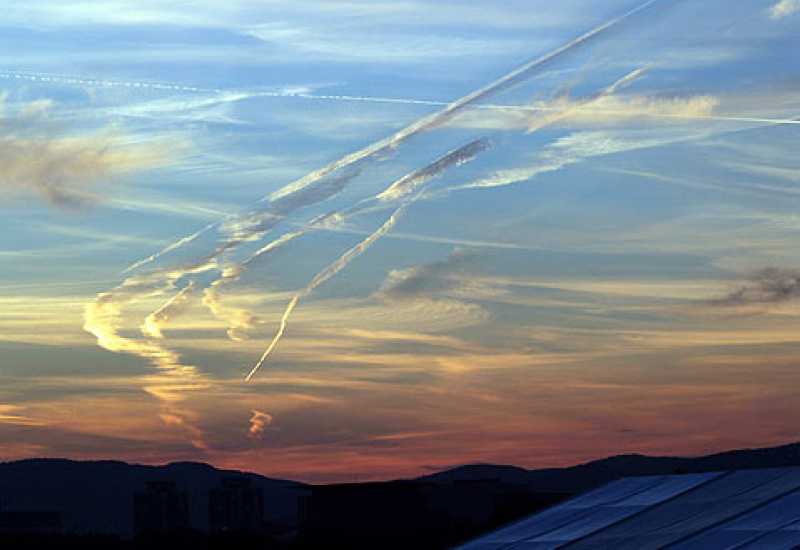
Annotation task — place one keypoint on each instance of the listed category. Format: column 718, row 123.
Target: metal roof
column 736, row 509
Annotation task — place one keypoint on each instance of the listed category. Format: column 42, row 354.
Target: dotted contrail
column 297, row 92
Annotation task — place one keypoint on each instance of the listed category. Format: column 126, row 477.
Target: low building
column 236, row 506
column 160, row 508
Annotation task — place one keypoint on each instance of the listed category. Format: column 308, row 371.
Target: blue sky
column 596, row 259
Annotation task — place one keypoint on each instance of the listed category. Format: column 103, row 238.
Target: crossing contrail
column 402, row 188
column 438, row 118
column 420, row 125
column 240, row 319
column 317, row 186
column 452, row 109
column 326, row 274
column 299, row 92
column 397, row 190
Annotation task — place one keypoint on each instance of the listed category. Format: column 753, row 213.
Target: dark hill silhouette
column 97, row 497
column 585, row 476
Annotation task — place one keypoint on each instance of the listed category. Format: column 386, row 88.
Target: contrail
column 171, row 379
column 276, row 338
column 549, row 164
column 430, row 121
column 411, row 182
column 241, row 319
column 326, row 274
column 152, row 323
column 398, row 189
column 425, row 123
column 452, row 109
column 562, row 113
column 169, row 248
column 292, row 92
column 288, row 91
column 283, row 199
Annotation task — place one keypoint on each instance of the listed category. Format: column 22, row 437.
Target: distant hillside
column 585, row 476
column 97, row 497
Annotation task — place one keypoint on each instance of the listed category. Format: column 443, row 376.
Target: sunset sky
column 519, row 231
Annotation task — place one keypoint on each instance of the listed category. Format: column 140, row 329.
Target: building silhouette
column 160, row 508
column 236, row 505
column 39, row 522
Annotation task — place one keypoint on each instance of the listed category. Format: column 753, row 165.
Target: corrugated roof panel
column 532, row 545
column 591, row 512
column 670, row 487
column 612, row 512
column 714, row 502
column 565, row 513
column 600, row 517
column 785, row 539
column 782, row 513
column 615, row 491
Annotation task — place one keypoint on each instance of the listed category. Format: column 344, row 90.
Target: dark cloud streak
column 771, row 285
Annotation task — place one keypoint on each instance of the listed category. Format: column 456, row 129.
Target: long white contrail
column 295, row 92
column 169, row 248
column 402, row 188
column 240, row 319
column 435, row 119
column 393, row 141
column 451, row 110
column 397, row 191
column 285, row 196
column 326, row 274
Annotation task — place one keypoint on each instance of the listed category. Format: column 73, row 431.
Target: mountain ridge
column 585, row 475
column 96, row 496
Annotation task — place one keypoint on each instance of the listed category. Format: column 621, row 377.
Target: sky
column 357, row 240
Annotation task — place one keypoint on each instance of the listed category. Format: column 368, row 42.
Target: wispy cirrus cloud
column 13, row 414
column 606, row 111
column 63, row 170
column 784, row 8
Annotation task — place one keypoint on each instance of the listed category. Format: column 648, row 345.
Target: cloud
column 258, row 422
column 318, row 186
column 399, row 188
column 423, row 280
column 171, row 380
column 772, row 285
column 243, row 15
column 154, row 322
column 408, row 184
column 572, row 149
column 365, row 45
column 784, row 8
column 62, row 170
column 611, row 110
column 10, row 414
column 618, row 109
